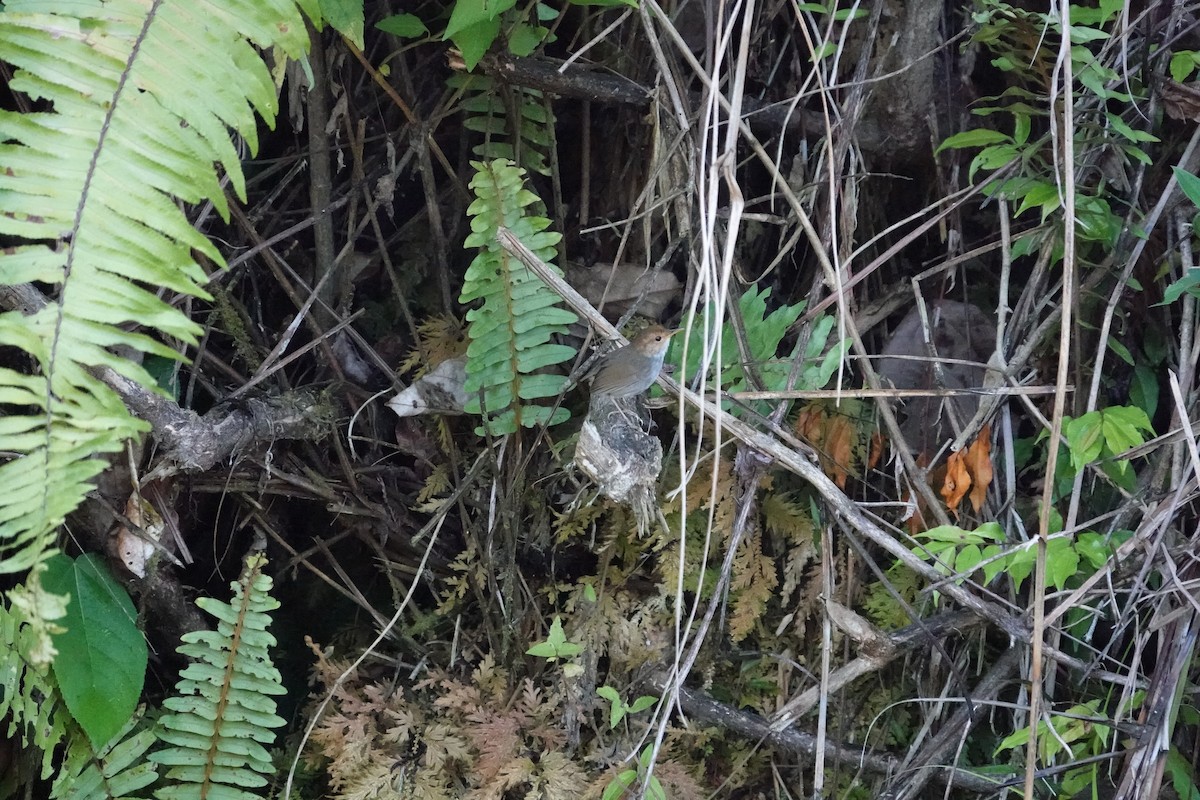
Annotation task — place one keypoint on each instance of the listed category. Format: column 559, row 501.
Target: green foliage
column 1068, row 560
column 618, row 708
column 1189, row 184
column 510, row 332
column 764, row 333
column 118, row 769
column 89, row 206
column 29, row 700
column 526, row 140
column 556, row 645
column 879, row 603
column 1078, row 734
column 1107, row 432
column 1022, row 43
column 1182, row 774
column 622, row 785
column 346, row 16
column 830, row 11
column 475, row 25
column 102, row 655
column 223, row 712
column 959, row 552
column 408, row 26
column 1183, row 64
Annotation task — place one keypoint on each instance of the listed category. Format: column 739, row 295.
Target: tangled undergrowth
column 925, row 520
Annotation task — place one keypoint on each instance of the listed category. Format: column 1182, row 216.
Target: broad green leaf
column 1061, row 562
column 1020, row 563
column 977, row 137
column 947, row 533
column 407, row 26
column 1085, row 439
column 1121, row 350
column 1042, row 194
column 1093, row 547
column 1188, row 283
column 1183, row 775
column 642, row 703
column 619, row 786
column 102, row 655
column 994, row 562
column 1083, row 35
column 524, row 38
column 346, row 17
column 1182, row 64
column 1022, row 125
column 474, row 41
column 469, row 13
column 1189, row 184
column 1122, row 426
column 616, row 710
column 991, row 158
column 967, row 559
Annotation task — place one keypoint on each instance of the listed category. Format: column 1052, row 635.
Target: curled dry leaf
column 979, row 465
column 970, row 469
column 133, row 550
column 957, row 481
column 1181, row 100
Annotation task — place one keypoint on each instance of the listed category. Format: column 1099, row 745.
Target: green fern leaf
column 223, row 711
column 511, row 332
column 490, row 107
column 116, row 770
column 29, row 701
column 139, row 98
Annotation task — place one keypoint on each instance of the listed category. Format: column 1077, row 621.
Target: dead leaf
column 1181, row 100
column 979, row 465
column 833, row 435
column 957, row 481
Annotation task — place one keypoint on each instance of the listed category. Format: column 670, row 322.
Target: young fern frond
column 510, row 333
column 223, row 711
column 137, row 100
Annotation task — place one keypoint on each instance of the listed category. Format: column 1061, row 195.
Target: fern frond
column 752, row 587
column 140, row 97
column 517, row 123
column 510, row 333
column 30, row 701
column 114, row 771
column 223, row 710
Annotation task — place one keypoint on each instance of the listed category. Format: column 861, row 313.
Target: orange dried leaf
column 838, row 447
column 833, row 435
column 810, row 423
column 979, row 465
column 957, row 482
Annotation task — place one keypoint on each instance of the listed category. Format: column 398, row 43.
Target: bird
column 630, row 370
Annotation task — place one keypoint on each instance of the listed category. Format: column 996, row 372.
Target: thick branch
column 189, row 441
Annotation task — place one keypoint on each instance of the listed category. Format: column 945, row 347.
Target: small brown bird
column 632, row 369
